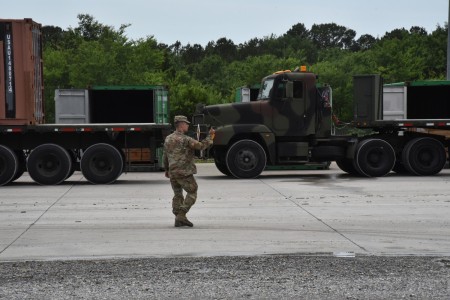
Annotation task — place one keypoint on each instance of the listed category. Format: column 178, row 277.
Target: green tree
column 332, row 35
column 192, row 54
column 210, row 70
column 52, row 36
column 365, row 42
column 298, row 31
column 250, row 48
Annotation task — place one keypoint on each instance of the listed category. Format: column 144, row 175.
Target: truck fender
column 351, row 148
column 225, row 135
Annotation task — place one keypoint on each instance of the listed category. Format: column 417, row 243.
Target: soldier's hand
column 212, row 133
column 167, row 174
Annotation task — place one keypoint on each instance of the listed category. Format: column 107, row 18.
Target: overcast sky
column 201, row 21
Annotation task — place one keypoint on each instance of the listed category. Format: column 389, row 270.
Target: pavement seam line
column 315, row 217
column 37, row 220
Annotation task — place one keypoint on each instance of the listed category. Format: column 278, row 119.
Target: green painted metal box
column 113, row 104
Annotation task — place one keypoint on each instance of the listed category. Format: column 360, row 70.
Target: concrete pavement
column 319, row 212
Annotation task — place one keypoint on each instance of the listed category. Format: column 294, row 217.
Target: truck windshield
column 266, row 88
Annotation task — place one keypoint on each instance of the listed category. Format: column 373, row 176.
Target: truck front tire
column 246, row 159
column 220, row 161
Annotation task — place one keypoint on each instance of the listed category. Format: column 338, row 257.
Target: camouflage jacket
column 178, row 156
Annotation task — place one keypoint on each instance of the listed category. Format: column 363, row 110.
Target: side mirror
column 289, row 89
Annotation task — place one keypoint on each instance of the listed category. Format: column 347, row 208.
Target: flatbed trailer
column 52, row 152
column 405, row 124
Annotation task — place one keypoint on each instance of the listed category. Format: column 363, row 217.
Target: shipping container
column 416, row 100
column 247, row 94
column 21, row 79
column 128, row 104
column 71, row 106
column 112, row 104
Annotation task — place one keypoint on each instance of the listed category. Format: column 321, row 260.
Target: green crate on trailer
column 247, row 93
column 161, row 106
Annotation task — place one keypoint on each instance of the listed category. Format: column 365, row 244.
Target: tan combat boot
column 181, row 220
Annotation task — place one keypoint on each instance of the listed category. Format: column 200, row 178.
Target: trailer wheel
column 424, row 156
column 346, row 165
column 101, row 163
column 8, row 165
column 246, row 159
column 73, row 157
column 49, row 164
column 374, row 157
column 22, row 164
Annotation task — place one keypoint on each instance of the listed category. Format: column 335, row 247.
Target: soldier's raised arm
column 204, row 144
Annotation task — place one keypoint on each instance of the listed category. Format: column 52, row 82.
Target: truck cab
column 292, row 112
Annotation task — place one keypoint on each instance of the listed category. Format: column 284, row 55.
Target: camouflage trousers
column 179, row 202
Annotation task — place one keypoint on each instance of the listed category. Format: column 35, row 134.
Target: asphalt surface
column 317, row 234
column 257, row 277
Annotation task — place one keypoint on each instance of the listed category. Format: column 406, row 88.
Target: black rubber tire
column 374, row 157
column 9, row 165
column 22, row 167
column 222, row 168
column 246, row 159
column 49, row 164
column 346, row 165
column 424, row 156
column 399, row 168
column 101, row 164
column 73, row 157
column 220, row 162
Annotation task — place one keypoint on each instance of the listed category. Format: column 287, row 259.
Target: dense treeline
column 97, row 54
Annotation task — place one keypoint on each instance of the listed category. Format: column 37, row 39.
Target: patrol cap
column 181, row 119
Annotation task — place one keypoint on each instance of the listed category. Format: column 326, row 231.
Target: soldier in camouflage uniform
column 179, row 164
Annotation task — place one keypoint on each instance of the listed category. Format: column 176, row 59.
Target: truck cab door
column 290, row 105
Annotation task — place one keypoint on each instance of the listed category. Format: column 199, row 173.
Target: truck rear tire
column 246, row 159
column 424, row 156
column 49, row 164
column 374, row 157
column 8, row 165
column 101, row 164
column 346, row 165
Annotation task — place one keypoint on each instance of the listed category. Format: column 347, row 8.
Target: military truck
column 291, row 123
